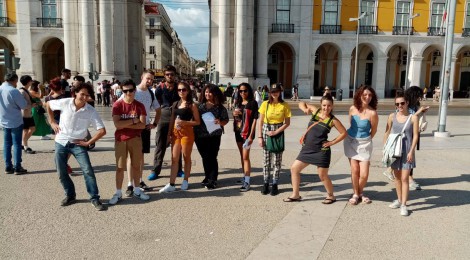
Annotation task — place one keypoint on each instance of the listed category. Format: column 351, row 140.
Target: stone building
column 313, row 43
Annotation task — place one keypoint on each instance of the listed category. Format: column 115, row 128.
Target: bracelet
column 260, row 137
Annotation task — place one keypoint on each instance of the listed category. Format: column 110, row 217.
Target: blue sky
column 190, row 19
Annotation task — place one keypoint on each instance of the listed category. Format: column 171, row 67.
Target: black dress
column 312, row 151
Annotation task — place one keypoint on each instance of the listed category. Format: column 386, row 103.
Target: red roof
column 151, row 8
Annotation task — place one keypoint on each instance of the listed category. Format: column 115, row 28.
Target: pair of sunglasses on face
column 243, row 90
column 182, row 90
column 128, row 90
column 401, row 103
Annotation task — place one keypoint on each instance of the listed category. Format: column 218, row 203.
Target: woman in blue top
column 358, row 144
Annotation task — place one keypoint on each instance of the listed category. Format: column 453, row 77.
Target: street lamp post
column 410, row 30
column 357, row 47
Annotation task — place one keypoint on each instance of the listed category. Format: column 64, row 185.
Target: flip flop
column 354, row 200
column 328, row 201
column 292, row 199
column 365, row 200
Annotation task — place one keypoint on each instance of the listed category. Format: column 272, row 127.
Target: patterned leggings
column 268, row 163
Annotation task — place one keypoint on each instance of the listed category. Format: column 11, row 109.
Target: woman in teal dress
column 42, row 128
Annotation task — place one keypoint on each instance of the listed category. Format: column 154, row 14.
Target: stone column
column 106, row 38
column 224, row 39
column 120, row 40
column 452, row 77
column 87, row 37
column 24, row 50
column 262, row 41
column 304, row 57
column 344, row 68
column 415, row 71
column 241, row 38
column 378, row 78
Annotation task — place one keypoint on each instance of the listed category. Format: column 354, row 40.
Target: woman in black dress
column 316, row 147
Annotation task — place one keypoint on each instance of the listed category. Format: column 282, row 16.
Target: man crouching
column 75, row 117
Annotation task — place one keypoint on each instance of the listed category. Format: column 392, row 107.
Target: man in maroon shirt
column 129, row 117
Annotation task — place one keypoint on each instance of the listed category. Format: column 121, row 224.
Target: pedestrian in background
column 274, row 119
column 358, row 144
column 208, row 143
column 39, row 116
column 245, row 114
column 28, row 121
column 11, row 120
column 316, row 147
column 403, row 121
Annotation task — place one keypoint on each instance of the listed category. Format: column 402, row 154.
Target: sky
column 190, row 19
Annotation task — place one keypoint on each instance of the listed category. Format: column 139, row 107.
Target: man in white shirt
column 75, row 117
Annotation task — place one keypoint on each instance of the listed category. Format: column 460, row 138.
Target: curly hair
column 216, row 93
column 413, row 95
column 54, row 84
column 357, row 97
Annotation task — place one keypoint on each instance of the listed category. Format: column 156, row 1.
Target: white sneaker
column 141, row 195
column 46, row 137
column 403, row 210
column 167, row 188
column 115, row 199
column 389, row 174
column 414, row 186
column 184, row 185
column 395, row 204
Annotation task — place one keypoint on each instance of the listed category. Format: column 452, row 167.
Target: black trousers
column 106, row 99
column 208, row 148
column 98, row 98
column 160, row 147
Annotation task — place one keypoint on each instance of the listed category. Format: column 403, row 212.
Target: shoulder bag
column 394, row 141
column 274, row 144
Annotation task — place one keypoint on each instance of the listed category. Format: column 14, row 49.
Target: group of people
column 181, row 120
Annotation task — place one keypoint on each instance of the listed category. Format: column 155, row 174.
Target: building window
column 436, row 58
column 466, row 59
column 437, row 12
column 283, row 11
column 272, row 56
column 152, row 22
column 49, row 9
column 467, row 16
column 403, row 13
column 152, row 64
column 2, row 10
column 369, row 7
column 331, row 12
column 152, row 50
column 152, row 35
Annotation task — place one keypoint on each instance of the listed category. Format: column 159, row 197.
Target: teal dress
column 42, row 127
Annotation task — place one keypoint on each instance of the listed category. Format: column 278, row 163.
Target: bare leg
column 405, row 188
column 246, row 162
column 323, row 173
column 119, row 178
column 398, row 184
column 175, row 157
column 295, row 170
column 186, row 150
column 355, row 173
column 364, row 175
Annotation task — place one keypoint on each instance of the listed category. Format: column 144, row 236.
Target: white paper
column 209, row 121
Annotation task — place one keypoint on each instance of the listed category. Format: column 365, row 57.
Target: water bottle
column 178, row 127
column 246, row 145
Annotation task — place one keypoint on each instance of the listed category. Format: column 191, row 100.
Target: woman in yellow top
column 274, row 117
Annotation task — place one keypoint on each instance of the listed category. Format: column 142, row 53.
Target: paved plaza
column 227, row 224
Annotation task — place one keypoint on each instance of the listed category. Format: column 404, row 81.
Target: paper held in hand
column 209, row 121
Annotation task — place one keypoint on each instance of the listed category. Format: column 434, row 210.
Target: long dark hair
column 413, row 94
column 279, row 99
column 216, row 93
column 357, row 97
column 251, row 96
column 189, row 96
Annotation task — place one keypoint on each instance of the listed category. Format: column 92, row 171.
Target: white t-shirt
column 74, row 124
column 144, row 97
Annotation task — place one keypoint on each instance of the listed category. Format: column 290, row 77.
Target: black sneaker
column 144, row 186
column 274, row 190
column 129, row 191
column 211, row 185
column 91, row 146
column 9, row 170
column 29, row 150
column 204, row 182
column 21, row 170
column 265, row 189
column 67, row 201
column 98, row 205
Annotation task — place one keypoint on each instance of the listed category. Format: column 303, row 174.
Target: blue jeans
column 81, row 154
column 12, row 137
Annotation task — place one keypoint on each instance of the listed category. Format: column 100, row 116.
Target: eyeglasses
column 128, row 90
column 401, row 103
column 169, row 74
column 182, row 90
column 243, row 90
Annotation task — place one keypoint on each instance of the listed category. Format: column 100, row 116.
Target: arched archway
column 462, row 73
column 281, row 64
column 365, row 66
column 53, row 59
column 396, row 69
column 432, row 65
column 5, row 44
column 325, row 68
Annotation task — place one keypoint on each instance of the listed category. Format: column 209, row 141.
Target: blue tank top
column 360, row 128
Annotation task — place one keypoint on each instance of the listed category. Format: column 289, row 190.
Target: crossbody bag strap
column 406, row 124
column 27, row 92
column 266, row 113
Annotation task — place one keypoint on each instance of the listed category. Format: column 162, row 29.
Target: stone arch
column 432, row 65
column 6, row 44
column 462, row 72
column 281, row 60
column 53, row 58
column 365, row 66
column 396, row 68
column 326, row 67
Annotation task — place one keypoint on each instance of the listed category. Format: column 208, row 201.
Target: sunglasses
column 169, row 74
column 401, row 103
column 243, row 90
column 128, row 90
column 182, row 90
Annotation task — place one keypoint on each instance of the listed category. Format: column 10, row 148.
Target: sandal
column 329, row 200
column 365, row 200
column 354, row 200
column 289, row 199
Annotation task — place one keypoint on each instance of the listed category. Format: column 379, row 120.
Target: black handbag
column 276, row 143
